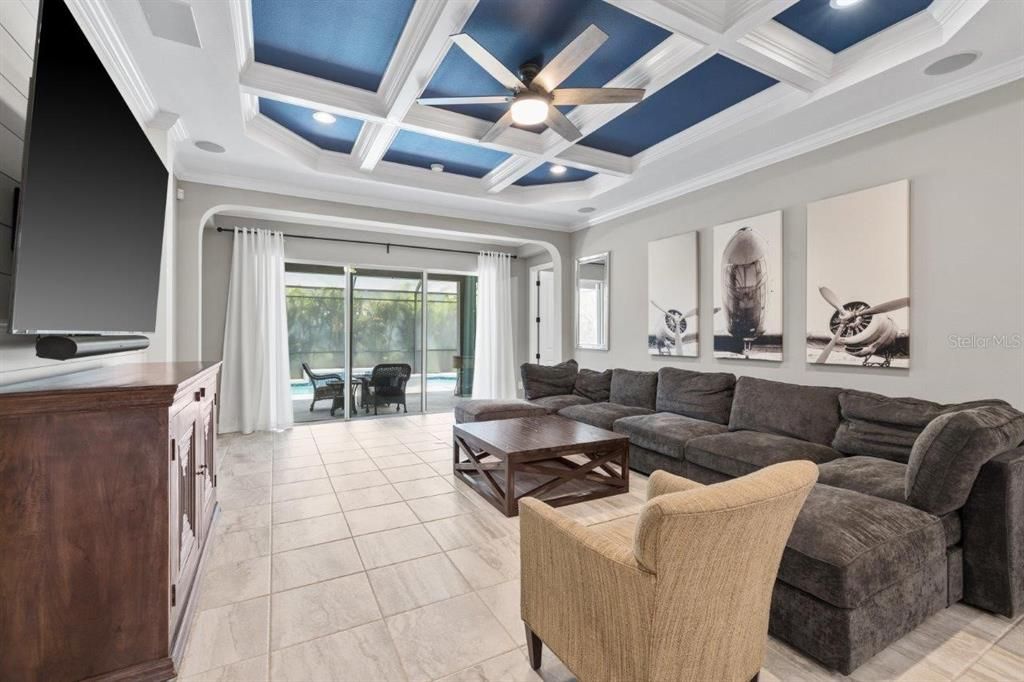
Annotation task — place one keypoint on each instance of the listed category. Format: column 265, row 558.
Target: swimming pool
column 437, row 382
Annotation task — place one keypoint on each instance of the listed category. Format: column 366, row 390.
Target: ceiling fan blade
column 596, row 95
column 831, row 344
column 498, row 128
column 488, row 62
column 886, row 307
column 557, row 121
column 570, row 58
column 487, row 99
column 831, row 298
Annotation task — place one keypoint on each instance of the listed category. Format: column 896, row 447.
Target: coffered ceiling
column 731, row 86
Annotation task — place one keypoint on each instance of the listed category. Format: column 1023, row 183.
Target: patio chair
column 326, row 387
column 386, row 386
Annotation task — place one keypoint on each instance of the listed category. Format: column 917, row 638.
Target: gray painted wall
column 965, row 163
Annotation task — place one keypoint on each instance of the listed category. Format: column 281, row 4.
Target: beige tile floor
column 347, row 551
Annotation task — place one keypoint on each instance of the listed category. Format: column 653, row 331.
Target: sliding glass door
column 451, row 339
column 315, row 302
column 375, row 321
column 387, row 335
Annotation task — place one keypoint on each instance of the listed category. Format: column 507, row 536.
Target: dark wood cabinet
column 108, row 489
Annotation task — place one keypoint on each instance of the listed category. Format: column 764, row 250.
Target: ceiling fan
column 535, row 92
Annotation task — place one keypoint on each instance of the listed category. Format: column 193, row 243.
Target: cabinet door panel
column 185, row 503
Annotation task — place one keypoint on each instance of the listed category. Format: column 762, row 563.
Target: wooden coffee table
column 552, row 458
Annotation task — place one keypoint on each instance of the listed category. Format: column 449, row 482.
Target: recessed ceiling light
column 843, row 4
column 558, row 169
column 208, row 146
column 529, row 110
column 953, row 62
column 587, row 209
column 437, row 167
column 324, row 117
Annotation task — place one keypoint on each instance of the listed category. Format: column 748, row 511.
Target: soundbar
column 68, row 347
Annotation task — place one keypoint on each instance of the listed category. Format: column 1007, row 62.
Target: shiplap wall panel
column 15, row 62
column 11, row 148
column 13, row 107
column 32, row 6
column 17, row 34
column 20, row 23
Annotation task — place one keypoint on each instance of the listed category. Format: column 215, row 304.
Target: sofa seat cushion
column 810, row 413
column 665, row 432
column 847, row 546
column 483, row 410
column 601, row 415
column 701, row 395
column 553, row 403
column 738, row 453
column 868, row 475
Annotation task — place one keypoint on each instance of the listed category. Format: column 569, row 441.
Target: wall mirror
column 592, row 301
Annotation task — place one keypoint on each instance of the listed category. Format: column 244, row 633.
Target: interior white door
column 545, row 312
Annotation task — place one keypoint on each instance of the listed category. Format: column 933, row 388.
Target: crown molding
column 245, row 181
column 932, row 99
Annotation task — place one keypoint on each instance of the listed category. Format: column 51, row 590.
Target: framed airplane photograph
column 673, row 296
column 748, row 288
column 858, row 278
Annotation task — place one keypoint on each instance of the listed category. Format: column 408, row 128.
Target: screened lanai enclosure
column 356, row 341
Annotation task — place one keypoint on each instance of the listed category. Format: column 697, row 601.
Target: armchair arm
column 663, row 483
column 585, row 595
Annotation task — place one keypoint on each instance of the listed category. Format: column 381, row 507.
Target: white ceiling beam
column 292, row 87
column 420, row 50
column 783, row 54
column 676, row 55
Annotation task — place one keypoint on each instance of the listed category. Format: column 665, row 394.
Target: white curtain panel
column 255, row 383
column 494, row 373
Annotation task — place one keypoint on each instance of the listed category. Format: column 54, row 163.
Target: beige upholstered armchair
column 681, row 592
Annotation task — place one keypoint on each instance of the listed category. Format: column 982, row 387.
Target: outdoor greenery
column 386, row 328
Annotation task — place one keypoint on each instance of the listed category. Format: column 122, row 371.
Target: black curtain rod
column 386, row 245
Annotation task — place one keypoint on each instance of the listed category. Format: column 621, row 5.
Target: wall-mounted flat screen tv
column 93, row 197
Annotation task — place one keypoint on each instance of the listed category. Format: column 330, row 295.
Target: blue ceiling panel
column 837, row 29
column 339, row 136
column 522, row 31
column 713, row 86
column 348, row 42
column 414, row 149
column 544, row 176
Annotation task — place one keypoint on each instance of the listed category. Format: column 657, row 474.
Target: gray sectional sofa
column 918, row 505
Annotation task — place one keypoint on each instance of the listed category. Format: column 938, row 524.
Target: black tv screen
column 90, row 220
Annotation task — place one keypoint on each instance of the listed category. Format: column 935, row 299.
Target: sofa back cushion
column 879, row 426
column 635, row 389
column 809, row 413
column 540, row 381
column 701, row 395
column 949, row 453
column 594, row 385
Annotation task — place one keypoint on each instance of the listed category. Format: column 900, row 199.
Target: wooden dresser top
column 129, row 384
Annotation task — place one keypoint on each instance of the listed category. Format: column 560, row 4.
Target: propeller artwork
column 534, row 94
column 859, row 327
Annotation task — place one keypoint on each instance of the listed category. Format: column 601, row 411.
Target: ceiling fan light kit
column 529, row 109
column 534, row 93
